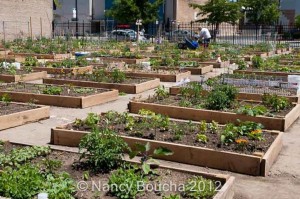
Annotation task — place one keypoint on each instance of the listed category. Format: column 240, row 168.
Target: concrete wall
column 16, row 17
column 290, row 9
column 184, row 12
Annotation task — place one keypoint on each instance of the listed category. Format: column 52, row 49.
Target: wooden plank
column 26, row 77
column 200, row 156
column 208, row 115
column 75, row 70
column 21, row 118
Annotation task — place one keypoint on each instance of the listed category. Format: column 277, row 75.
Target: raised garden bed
column 41, row 56
column 132, row 86
column 255, row 93
column 17, row 114
column 126, row 60
column 163, row 75
column 209, row 62
column 281, row 124
column 75, row 70
column 63, row 96
column 22, row 76
column 187, row 148
column 200, row 70
column 69, row 184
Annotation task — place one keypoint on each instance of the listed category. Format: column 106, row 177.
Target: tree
column 264, row 12
column 297, row 21
column 218, row 11
column 128, row 11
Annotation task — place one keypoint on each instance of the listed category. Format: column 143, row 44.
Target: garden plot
column 21, row 75
column 101, row 79
column 191, row 142
column 193, row 67
column 220, row 105
column 66, row 66
column 60, row 172
column 16, row 114
column 63, row 96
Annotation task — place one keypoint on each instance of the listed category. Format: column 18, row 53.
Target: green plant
column 6, row 99
column 172, row 196
column 202, row 138
column 213, row 127
column 242, row 65
column 52, row 90
column 252, row 110
column 118, row 76
column 12, row 70
column 51, row 165
column 102, row 149
column 230, row 91
column 257, row 62
column 199, row 187
column 92, row 119
column 203, row 126
column 229, row 133
column 185, row 103
column 30, row 61
column 123, row 183
column 276, row 102
column 161, row 93
column 147, row 158
column 217, row 100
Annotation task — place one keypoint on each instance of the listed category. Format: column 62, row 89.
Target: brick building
column 289, row 9
column 23, row 18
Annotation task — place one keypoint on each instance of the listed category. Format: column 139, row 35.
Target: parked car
column 121, row 35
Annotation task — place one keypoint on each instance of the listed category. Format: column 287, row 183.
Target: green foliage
column 199, row 187
column 218, row 11
column 146, row 160
column 202, row 138
column 229, row 90
column 24, row 182
column 172, row 196
column 217, row 100
column 51, row 165
column 161, row 93
column 297, row 21
column 31, row 61
column 128, row 11
column 22, row 155
column 92, row 119
column 118, row 76
column 102, row 149
column 276, row 102
column 123, row 183
column 257, row 62
column 252, row 110
column 6, row 99
column 52, row 90
column 242, row 65
column 262, row 12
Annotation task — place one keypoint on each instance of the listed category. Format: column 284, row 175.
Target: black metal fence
column 225, row 33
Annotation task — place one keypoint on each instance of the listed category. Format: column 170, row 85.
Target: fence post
column 233, row 33
column 4, row 36
column 30, row 28
column 152, row 31
column 191, row 29
column 41, row 23
column 83, row 29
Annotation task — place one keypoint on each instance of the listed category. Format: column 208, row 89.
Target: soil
column 71, row 165
column 175, row 100
column 38, row 89
column 188, row 136
column 128, row 80
column 6, row 109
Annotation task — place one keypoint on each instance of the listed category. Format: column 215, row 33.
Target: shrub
column 257, row 62
column 217, row 100
column 276, row 102
column 102, row 149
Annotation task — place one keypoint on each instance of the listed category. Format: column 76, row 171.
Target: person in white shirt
column 205, row 36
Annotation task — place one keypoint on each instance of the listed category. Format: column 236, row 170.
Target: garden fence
column 10, row 30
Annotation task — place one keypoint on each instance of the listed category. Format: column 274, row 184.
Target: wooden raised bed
column 163, row 77
column 280, row 124
column 194, row 70
column 209, row 62
column 75, row 70
column 42, row 56
column 283, row 74
column 26, row 77
column 175, row 90
column 256, row 164
column 227, row 181
column 64, row 101
column 23, row 117
column 126, row 88
column 126, row 60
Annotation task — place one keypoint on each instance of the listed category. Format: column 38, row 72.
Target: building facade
column 25, row 18
column 289, row 9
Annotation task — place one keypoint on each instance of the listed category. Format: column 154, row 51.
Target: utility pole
column 76, row 7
